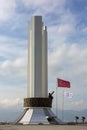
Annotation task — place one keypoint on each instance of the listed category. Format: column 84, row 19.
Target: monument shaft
column 37, row 58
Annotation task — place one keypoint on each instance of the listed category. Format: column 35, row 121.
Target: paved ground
column 43, row 127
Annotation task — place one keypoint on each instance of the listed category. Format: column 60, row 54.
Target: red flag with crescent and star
column 63, row 83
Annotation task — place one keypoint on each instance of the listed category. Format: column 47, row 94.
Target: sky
column 66, row 22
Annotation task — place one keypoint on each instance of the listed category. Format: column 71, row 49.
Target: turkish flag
column 63, row 83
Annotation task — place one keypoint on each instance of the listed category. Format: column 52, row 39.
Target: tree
column 83, row 119
column 76, row 118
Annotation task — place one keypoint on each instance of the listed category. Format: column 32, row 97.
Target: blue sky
column 66, row 21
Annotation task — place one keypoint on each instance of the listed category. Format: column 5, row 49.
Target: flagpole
column 65, row 84
column 56, row 102
column 63, row 107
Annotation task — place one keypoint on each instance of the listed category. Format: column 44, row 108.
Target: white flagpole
column 56, row 103
column 63, row 107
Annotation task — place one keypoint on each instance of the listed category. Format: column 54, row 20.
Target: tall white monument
column 37, row 58
column 37, row 105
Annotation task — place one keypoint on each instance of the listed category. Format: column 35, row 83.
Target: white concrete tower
column 37, row 58
column 37, row 105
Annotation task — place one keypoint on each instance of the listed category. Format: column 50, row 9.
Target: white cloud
column 41, row 3
column 7, row 9
column 70, row 58
column 44, row 7
column 13, row 69
column 12, row 47
column 35, row 3
column 59, row 33
column 64, row 28
column 5, row 103
column 84, row 30
column 13, row 54
column 77, row 105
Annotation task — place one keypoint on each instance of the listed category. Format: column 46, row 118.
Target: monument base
column 38, row 111
column 38, row 115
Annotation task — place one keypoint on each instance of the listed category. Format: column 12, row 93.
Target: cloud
column 41, row 3
column 75, row 105
column 12, row 47
column 7, row 9
column 68, row 59
column 84, row 30
column 6, row 103
column 13, row 68
column 67, row 55
column 13, row 58
column 34, row 4
column 41, row 7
